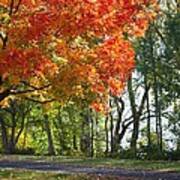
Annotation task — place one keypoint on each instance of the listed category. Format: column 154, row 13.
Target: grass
column 35, row 175
column 102, row 162
column 23, row 175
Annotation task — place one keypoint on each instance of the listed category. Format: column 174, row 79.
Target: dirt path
column 62, row 168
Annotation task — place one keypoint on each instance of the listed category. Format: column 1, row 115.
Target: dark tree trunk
column 13, row 130
column 97, row 136
column 160, row 123
column 136, row 114
column 156, row 112
column 148, row 120
column 4, row 135
column 107, row 135
column 75, row 142
column 125, row 126
column 156, row 100
column 92, row 136
column 86, row 136
column 111, row 127
column 51, row 150
column 60, row 133
column 112, row 136
column 135, row 118
column 120, row 109
column 25, row 135
column 149, row 127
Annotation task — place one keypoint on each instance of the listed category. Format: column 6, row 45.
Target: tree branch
column 39, row 101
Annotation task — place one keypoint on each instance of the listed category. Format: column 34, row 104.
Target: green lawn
column 103, row 162
column 35, row 175
column 23, row 175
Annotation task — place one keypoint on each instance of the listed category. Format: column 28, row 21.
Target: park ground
column 16, row 167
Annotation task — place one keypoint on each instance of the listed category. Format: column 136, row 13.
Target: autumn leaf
column 80, row 47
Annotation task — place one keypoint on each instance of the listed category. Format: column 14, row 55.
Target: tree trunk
column 86, row 136
column 75, row 142
column 12, row 143
column 4, row 135
column 156, row 101
column 92, row 136
column 51, row 150
column 160, row 123
column 60, row 133
column 124, row 129
column 156, row 98
column 148, row 120
column 111, row 134
column 135, row 132
column 25, row 135
column 107, row 135
column 136, row 114
column 97, row 136
column 111, row 128
column 120, row 110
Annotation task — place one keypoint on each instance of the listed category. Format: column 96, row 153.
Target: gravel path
column 62, row 168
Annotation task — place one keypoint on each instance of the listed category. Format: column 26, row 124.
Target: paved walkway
column 62, row 168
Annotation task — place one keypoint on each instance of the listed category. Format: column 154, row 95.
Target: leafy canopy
column 81, row 47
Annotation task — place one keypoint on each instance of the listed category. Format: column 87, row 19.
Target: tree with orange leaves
column 70, row 49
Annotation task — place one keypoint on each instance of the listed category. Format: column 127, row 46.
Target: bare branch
column 39, row 101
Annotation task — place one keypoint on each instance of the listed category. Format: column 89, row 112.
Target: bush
column 151, row 153
column 27, row 151
column 173, row 155
column 127, row 154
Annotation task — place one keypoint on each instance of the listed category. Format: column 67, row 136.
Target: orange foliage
column 79, row 46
